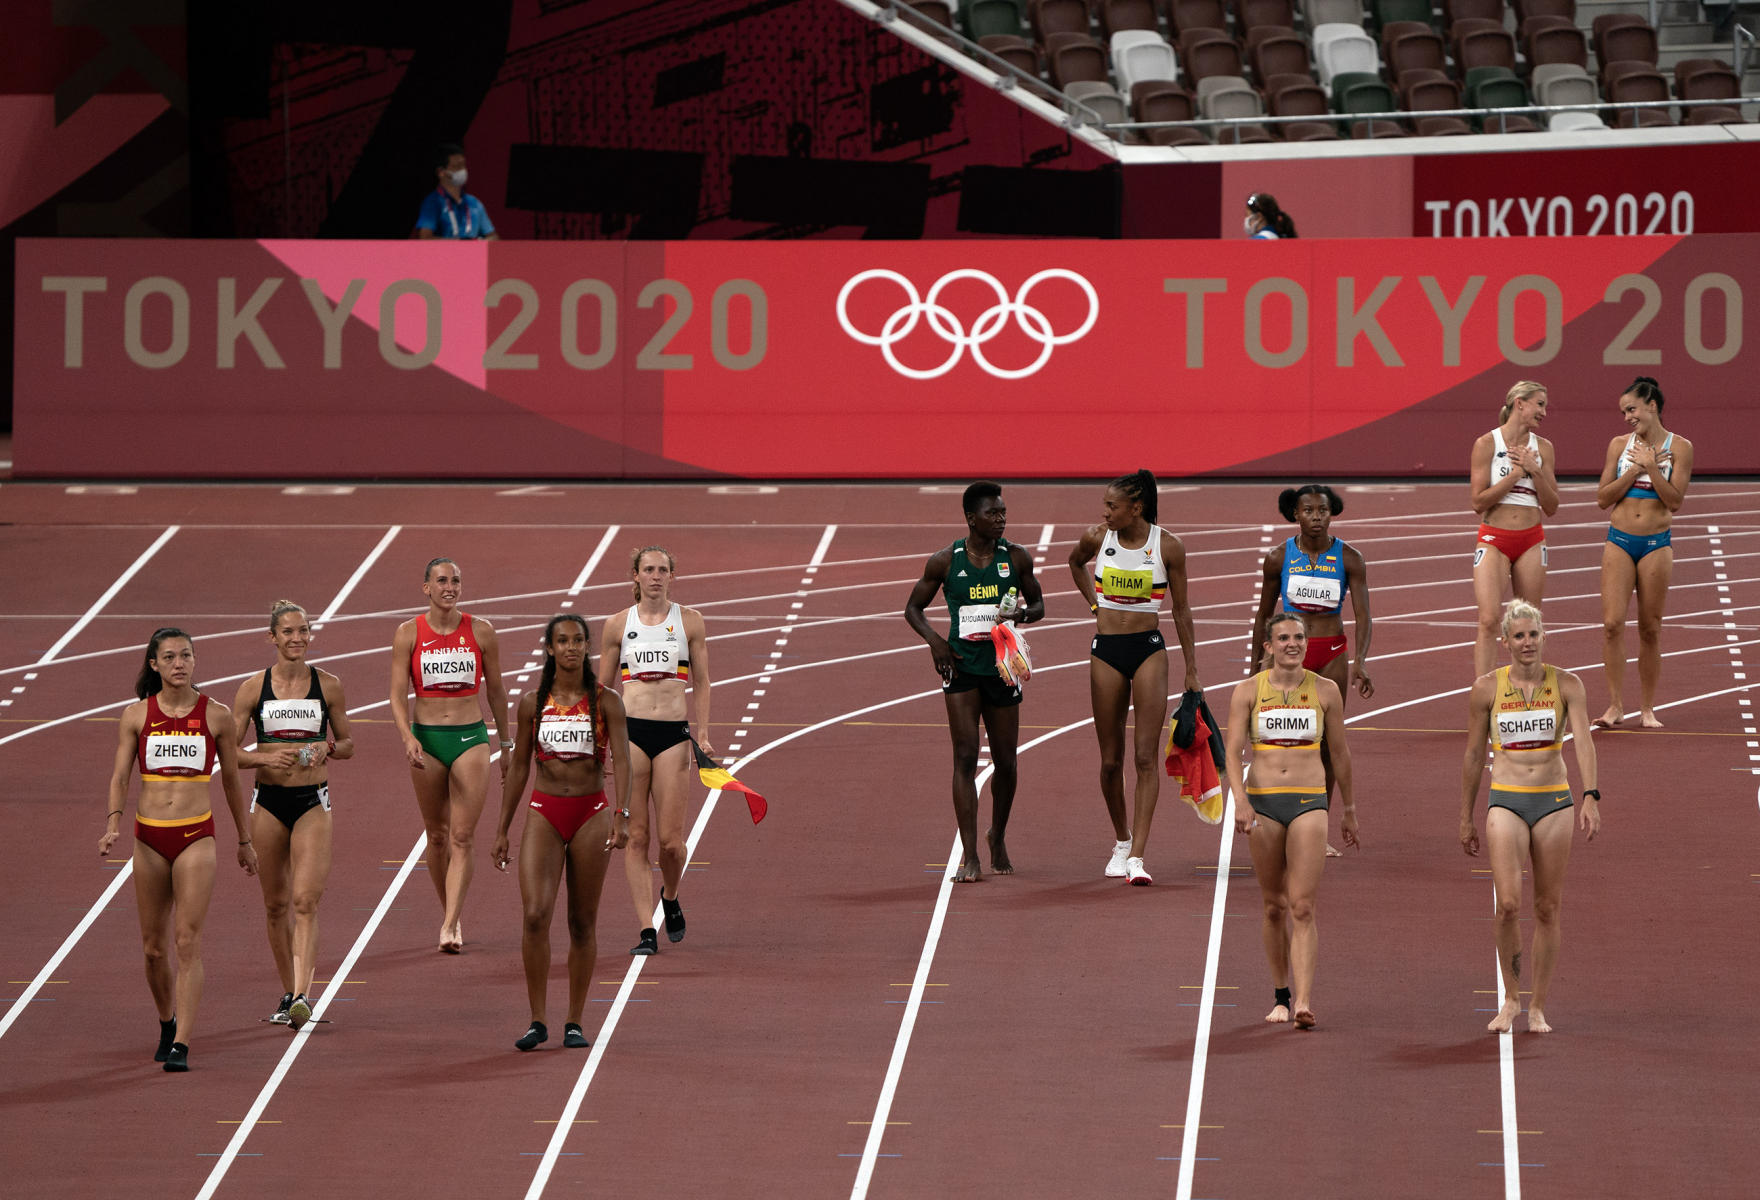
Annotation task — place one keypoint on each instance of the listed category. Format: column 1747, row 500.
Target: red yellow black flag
column 714, row 776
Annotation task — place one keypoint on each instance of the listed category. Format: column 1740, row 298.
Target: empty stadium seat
column 1139, row 54
column 1075, row 56
column 1485, row 48
column 1571, row 122
column 1225, row 97
column 1552, row 87
column 1502, row 92
column 938, row 11
column 1339, row 49
column 1281, row 54
column 1606, row 21
column 1708, row 79
column 1119, row 15
column 1528, row 9
column 991, row 18
column 1389, row 11
column 1303, row 100
column 1635, row 81
column 1558, row 45
column 1393, row 30
column 1457, row 10
column 1628, row 43
column 1415, row 50
column 1525, row 33
column 1249, row 14
column 1049, row 17
column 1471, row 79
column 1018, row 52
column 1333, row 12
column 1160, row 100
column 1425, row 89
column 1102, row 98
column 1197, row 14
column 1208, row 53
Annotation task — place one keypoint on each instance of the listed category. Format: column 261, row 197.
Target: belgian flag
column 720, row 778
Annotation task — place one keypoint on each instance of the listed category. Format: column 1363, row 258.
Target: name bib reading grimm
column 566, row 736
column 1527, row 729
column 1315, row 593
column 174, row 754
column 292, row 720
column 1286, row 726
column 449, row 669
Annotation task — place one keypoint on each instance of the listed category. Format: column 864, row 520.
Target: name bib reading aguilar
column 1287, row 726
column 449, row 669
column 976, row 620
column 1127, row 587
column 1528, row 729
column 292, row 720
column 1315, row 593
column 650, row 663
column 566, row 737
column 174, row 754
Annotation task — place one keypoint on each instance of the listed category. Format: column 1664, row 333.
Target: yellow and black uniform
column 973, row 593
column 1522, row 724
column 1292, row 720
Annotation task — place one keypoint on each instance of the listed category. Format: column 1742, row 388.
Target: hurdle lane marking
column 109, row 595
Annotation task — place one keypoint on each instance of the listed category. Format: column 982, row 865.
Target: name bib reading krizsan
column 450, row 669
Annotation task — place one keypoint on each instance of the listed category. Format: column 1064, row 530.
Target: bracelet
column 115, row 812
column 1595, row 792
column 246, row 842
column 507, row 743
column 1094, row 606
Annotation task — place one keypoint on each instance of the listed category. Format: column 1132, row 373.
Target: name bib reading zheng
column 1286, row 726
column 1315, row 593
column 566, row 737
column 449, row 669
column 174, row 754
column 1527, row 729
column 292, row 720
column 976, row 621
column 1127, row 587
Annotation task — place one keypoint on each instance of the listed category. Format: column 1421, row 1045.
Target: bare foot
column 1537, row 1021
column 452, row 939
column 1279, row 1015
column 968, row 873
column 1305, row 1017
column 999, row 863
column 1647, row 718
column 1609, row 719
column 1333, row 851
column 1505, row 1018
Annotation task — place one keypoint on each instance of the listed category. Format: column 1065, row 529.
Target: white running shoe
column 1137, row 873
column 1115, row 865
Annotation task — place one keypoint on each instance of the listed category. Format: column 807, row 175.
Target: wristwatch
column 623, row 812
column 1595, row 792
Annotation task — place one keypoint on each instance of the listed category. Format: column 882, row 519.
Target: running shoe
column 674, row 919
column 281, row 1017
column 1115, row 866
column 650, row 943
column 530, row 1039
column 177, row 1059
column 1137, row 873
column 573, row 1038
column 299, row 1012
column 167, row 1035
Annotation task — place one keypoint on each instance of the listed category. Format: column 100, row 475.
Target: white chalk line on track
column 360, row 573
column 109, row 595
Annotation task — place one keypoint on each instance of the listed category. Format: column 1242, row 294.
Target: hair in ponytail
column 635, row 566
column 281, row 607
column 1140, row 486
column 1646, row 389
column 1520, row 391
column 148, row 683
column 1278, row 221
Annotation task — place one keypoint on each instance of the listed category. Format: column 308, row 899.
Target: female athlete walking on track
column 1288, row 713
column 1644, row 481
column 1138, row 563
column 1309, row 574
column 176, row 736
column 1524, row 708
column 301, row 717
column 569, row 723
column 1513, row 484
column 448, row 658
column 660, row 651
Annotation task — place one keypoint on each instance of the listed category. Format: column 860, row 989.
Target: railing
column 1738, row 58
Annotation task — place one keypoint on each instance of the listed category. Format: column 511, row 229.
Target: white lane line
column 359, row 574
column 92, row 914
column 1506, row 1071
column 109, row 595
column 1207, row 1004
column 580, row 581
column 824, row 545
column 338, row 978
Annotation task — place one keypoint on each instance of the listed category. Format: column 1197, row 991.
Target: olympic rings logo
column 986, row 328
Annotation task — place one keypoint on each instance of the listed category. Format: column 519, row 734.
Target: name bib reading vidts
column 566, row 737
column 452, row 669
column 1286, row 726
column 1529, row 729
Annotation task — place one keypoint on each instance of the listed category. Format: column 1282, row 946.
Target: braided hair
column 1140, row 486
column 547, row 681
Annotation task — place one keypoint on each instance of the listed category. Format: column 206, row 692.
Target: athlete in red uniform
column 176, row 737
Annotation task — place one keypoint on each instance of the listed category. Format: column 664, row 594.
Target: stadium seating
column 1049, row 17
column 1139, row 54
column 1526, row 10
column 1426, row 89
column 1119, row 15
column 1280, row 54
column 1557, row 44
column 938, row 11
column 1016, row 51
column 1074, row 56
column 1102, row 98
column 1340, row 49
column 1207, row 52
column 1572, row 122
column 1389, row 11
column 1502, row 92
column 1250, row 14
column 991, row 18
column 1303, row 100
column 1632, row 82
column 1197, row 14
column 1415, row 50
column 1333, row 12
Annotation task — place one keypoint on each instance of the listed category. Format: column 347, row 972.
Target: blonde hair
column 1521, row 610
column 635, row 566
column 283, row 606
column 1520, row 391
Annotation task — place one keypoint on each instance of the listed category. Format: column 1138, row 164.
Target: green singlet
column 972, row 596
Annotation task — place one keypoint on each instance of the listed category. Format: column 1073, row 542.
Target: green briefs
column 447, row 742
column 1530, row 804
column 1285, row 806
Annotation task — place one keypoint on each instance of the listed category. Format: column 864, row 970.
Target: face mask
column 458, row 177
column 1247, row 225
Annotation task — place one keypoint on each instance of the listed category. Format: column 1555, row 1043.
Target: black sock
column 1283, row 996
column 573, row 1037
column 537, row 1033
column 167, row 1035
column 177, row 1058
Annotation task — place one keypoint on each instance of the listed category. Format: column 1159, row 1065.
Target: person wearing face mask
column 448, row 212
column 1264, row 220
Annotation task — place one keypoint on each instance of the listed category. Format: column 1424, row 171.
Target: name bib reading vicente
column 566, row 737
column 452, row 669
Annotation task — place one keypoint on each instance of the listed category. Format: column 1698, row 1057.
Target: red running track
column 1056, row 1021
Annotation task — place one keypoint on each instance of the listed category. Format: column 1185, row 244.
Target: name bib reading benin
column 1527, row 729
column 1127, row 587
column 566, row 737
column 1286, row 726
column 975, row 621
column 174, row 754
column 451, row 669
column 1315, row 593
column 292, row 720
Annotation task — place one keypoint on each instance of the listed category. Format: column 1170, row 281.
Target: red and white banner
column 159, row 359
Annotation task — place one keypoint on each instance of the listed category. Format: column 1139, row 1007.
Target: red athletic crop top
column 449, row 664
column 173, row 749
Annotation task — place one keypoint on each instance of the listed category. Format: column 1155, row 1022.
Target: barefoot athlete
column 977, row 573
column 1524, row 708
column 448, row 658
column 1288, row 713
